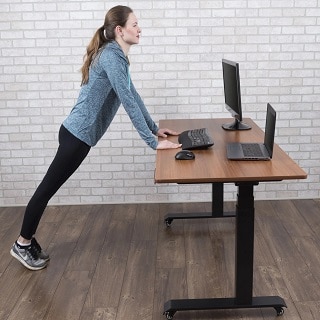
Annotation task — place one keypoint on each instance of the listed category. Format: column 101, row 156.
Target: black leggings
column 70, row 154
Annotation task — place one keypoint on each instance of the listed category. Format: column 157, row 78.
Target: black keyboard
column 195, row 139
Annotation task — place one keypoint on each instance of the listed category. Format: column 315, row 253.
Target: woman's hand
column 164, row 132
column 166, row 144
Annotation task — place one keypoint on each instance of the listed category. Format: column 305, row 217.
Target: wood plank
column 171, row 252
column 298, row 278
column 87, row 251
column 309, row 309
column 308, row 248
column 105, row 288
column 222, row 237
column 13, row 282
column 137, row 292
column 69, row 296
column 309, row 210
column 202, row 270
column 262, row 253
column 98, row 314
column 291, row 218
column 170, row 283
column 146, row 222
column 10, row 225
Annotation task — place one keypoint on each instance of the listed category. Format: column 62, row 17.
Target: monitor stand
column 236, row 125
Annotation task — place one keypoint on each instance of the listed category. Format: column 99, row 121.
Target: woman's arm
column 116, row 68
column 151, row 124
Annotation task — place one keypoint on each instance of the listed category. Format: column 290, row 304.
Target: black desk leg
column 244, row 244
column 243, row 267
column 217, row 208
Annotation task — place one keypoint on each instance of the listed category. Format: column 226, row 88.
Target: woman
column 105, row 84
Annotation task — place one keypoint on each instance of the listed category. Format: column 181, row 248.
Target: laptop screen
column 270, row 129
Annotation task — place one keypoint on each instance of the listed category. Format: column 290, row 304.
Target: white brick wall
column 177, row 70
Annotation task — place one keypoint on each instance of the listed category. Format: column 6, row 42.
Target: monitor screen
column 232, row 95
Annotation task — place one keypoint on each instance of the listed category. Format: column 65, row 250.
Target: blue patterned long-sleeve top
column 108, row 87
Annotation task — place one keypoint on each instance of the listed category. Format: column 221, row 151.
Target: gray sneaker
column 41, row 253
column 28, row 257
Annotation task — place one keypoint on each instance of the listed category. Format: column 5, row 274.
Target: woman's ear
column 119, row 31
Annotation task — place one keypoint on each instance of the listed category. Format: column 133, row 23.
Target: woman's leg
column 70, row 154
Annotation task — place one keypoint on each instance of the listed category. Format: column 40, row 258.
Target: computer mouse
column 185, row 155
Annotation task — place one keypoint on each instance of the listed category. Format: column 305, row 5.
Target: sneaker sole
column 24, row 263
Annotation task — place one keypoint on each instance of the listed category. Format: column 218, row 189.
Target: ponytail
column 95, row 44
column 117, row 16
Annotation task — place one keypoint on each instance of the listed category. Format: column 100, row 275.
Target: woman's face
column 131, row 31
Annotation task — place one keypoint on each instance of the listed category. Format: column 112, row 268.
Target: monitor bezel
column 235, row 111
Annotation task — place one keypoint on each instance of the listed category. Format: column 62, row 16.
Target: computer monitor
column 232, row 95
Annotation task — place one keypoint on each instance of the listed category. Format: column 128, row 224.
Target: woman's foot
column 28, row 256
column 41, row 253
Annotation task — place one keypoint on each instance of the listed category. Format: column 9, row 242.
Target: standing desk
column 212, row 166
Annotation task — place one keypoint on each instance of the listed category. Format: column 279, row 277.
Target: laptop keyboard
column 195, row 139
column 251, row 150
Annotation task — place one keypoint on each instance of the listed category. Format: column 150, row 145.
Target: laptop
column 256, row 151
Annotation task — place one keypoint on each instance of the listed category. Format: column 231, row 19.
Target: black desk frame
column 217, row 210
column 244, row 256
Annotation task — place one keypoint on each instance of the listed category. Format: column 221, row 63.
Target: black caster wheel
column 168, row 222
column 280, row 311
column 169, row 315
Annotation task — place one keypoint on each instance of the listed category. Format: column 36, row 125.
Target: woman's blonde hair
column 116, row 16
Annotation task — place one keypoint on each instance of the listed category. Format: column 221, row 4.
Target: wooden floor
column 120, row 262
